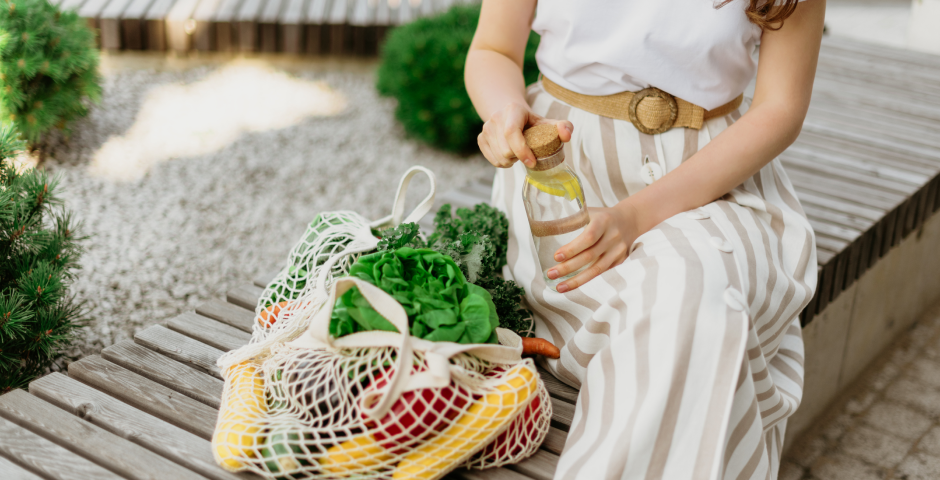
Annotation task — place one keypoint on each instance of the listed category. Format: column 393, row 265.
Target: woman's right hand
column 502, row 142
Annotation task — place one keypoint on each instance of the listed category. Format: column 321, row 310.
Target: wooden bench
column 866, row 168
column 291, row 26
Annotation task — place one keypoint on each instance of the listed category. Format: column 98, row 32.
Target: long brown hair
column 767, row 14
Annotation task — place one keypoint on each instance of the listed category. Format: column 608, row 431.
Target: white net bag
column 299, row 403
column 379, row 404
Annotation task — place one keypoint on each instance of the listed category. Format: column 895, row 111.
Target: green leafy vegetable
column 404, row 235
column 440, row 303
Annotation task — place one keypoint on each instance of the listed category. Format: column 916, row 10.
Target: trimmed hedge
column 422, row 66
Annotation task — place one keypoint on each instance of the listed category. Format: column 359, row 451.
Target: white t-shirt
column 684, row 47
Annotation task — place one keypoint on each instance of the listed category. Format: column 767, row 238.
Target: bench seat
column 866, row 169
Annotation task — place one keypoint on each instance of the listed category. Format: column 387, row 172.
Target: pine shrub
column 39, row 251
column 48, row 67
column 422, row 66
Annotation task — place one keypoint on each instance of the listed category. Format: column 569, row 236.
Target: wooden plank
column 227, row 313
column 225, row 40
column 102, row 447
column 180, row 25
column 291, row 27
column 181, row 348
column 245, row 296
column 316, row 43
column 264, row 279
column 557, row 388
column 268, row 24
column 337, row 19
column 247, row 21
column 90, row 10
column 131, row 424
column 211, row 332
column 12, row 471
column 204, row 37
column 540, row 466
column 110, row 23
column 488, row 474
column 555, row 440
column 48, row 459
column 155, row 19
column 71, row 5
column 133, row 24
column 141, row 393
column 562, row 414
column 167, row 372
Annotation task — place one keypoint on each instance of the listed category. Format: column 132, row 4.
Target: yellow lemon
column 564, row 184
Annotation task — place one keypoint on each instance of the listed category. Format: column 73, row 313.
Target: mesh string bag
column 298, row 403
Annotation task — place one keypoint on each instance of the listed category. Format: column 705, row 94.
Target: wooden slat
column 133, row 24
column 314, row 18
column 177, row 22
column 247, row 21
column 557, row 388
column 204, row 37
column 245, row 296
column 141, row 393
column 562, row 414
column 264, row 279
column 90, row 10
column 337, row 19
column 291, row 28
column 155, row 20
column 110, row 24
column 181, row 348
column 267, row 24
column 488, row 474
column 166, row 371
column 540, row 466
column 12, row 471
column 46, row 458
column 70, row 5
column 132, row 424
column 227, row 313
column 90, row 441
column 555, row 440
column 225, row 26
column 206, row 330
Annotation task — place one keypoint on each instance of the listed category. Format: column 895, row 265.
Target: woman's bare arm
column 786, row 70
column 493, row 75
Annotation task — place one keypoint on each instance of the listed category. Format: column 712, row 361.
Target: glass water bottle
column 553, row 198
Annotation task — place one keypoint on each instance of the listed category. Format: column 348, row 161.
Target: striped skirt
column 689, row 354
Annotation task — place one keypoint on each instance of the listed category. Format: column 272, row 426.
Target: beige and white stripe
column 688, row 355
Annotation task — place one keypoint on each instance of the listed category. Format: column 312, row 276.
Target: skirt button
column 723, row 245
column 651, row 172
column 734, row 299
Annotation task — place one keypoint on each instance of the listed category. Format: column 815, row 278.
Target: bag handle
column 375, row 403
column 398, row 208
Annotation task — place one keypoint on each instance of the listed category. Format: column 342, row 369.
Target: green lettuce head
column 441, row 304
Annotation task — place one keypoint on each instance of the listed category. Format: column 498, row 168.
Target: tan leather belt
column 651, row 110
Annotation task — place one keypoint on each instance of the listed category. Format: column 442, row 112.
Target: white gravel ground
column 192, row 228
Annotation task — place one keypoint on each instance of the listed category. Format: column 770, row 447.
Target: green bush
column 48, row 67
column 422, row 67
column 39, row 250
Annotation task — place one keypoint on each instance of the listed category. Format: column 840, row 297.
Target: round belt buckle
column 653, row 92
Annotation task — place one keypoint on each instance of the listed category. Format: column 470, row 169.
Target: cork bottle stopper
column 542, row 140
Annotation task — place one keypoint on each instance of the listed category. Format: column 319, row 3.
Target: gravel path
column 193, row 227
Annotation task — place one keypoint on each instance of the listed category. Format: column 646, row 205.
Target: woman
column 684, row 334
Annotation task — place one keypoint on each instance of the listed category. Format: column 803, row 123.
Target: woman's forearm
column 728, row 160
column 493, row 81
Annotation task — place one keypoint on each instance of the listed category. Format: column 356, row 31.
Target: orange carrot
column 539, row 346
column 268, row 316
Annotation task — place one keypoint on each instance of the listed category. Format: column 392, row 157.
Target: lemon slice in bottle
column 562, row 184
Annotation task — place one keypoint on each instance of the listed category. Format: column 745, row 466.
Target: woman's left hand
column 605, row 242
